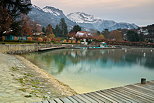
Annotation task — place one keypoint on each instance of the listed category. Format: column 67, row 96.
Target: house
column 143, row 31
column 148, row 32
column 12, row 37
column 86, row 36
column 83, row 34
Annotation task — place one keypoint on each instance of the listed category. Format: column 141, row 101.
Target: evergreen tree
column 43, row 29
column 57, row 31
column 63, row 27
column 132, row 36
column 76, row 28
column 141, row 37
column 16, row 28
column 98, row 33
column 16, row 7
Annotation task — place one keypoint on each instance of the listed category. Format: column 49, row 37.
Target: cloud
column 93, row 3
column 117, row 9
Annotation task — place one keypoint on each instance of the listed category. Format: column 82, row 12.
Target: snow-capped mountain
column 79, row 17
column 53, row 11
column 49, row 15
column 91, row 22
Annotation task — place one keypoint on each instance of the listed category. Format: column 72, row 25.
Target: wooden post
column 143, row 80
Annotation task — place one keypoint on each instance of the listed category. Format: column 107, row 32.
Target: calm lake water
column 91, row 70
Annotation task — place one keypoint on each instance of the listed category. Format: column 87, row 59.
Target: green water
column 91, row 70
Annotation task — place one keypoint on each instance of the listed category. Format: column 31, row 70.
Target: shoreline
column 65, row 89
column 23, row 82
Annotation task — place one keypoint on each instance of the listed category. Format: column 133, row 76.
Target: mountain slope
column 83, row 18
column 49, row 15
column 91, row 22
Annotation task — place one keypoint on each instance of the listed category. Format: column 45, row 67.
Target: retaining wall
column 23, row 48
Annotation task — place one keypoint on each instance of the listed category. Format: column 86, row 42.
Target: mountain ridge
column 49, row 15
column 52, row 15
column 98, row 23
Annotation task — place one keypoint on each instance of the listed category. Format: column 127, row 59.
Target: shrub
column 73, row 41
column 49, row 40
column 29, row 38
column 65, row 41
column 39, row 39
column 69, row 41
column 45, row 39
column 78, row 42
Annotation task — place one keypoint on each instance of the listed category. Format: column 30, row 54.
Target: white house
column 83, row 34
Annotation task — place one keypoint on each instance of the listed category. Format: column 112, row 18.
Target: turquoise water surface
column 91, row 70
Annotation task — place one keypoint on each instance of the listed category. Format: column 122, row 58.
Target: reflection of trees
column 94, row 55
column 136, row 56
column 42, row 61
column 150, row 63
column 48, row 59
column 131, row 56
column 60, row 61
column 113, row 55
column 60, row 58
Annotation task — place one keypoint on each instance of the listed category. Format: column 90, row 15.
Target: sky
column 140, row 12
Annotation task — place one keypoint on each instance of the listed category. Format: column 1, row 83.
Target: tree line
column 123, row 35
column 61, row 29
column 15, row 21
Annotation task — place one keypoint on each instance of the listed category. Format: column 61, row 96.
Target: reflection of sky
column 91, row 70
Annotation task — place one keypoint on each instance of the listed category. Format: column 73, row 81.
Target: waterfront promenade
column 27, row 48
column 22, row 82
column 136, row 93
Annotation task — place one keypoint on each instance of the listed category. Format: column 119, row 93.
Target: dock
column 50, row 48
column 136, row 93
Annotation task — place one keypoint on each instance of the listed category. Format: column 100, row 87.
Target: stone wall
column 18, row 48
column 23, row 48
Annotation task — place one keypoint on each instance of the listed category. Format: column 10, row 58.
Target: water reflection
column 58, row 59
column 114, row 67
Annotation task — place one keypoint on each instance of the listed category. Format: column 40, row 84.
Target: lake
column 91, row 70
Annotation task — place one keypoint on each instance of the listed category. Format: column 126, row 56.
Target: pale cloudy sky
column 140, row 12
